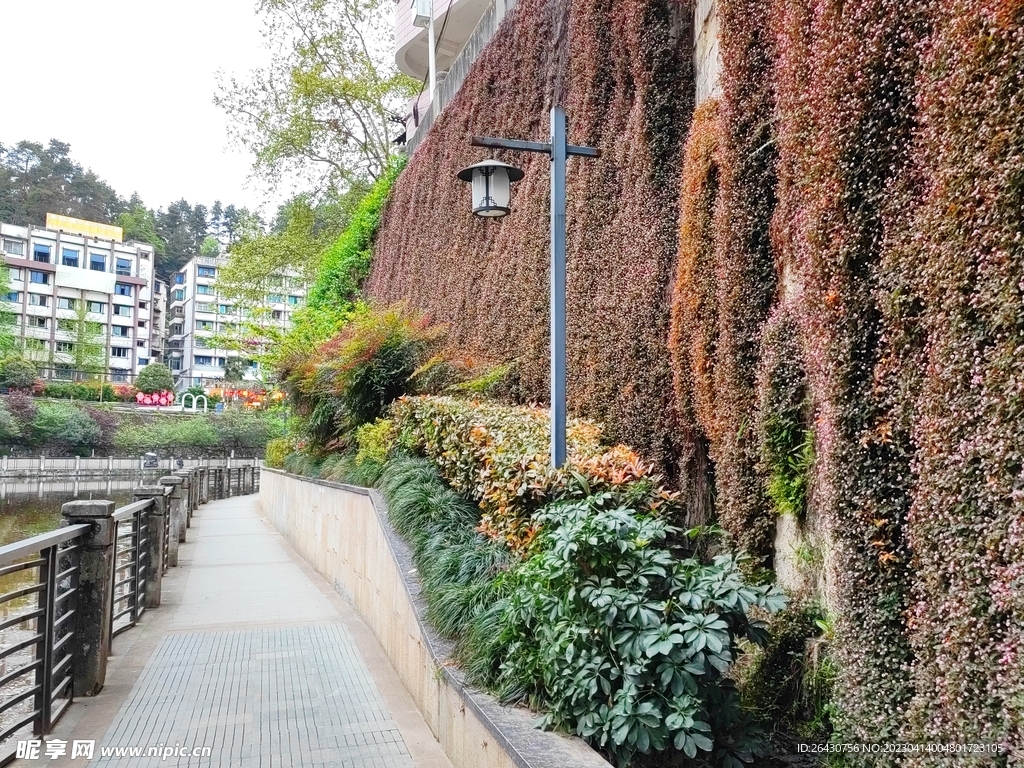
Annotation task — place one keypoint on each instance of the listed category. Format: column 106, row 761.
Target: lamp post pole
column 559, row 151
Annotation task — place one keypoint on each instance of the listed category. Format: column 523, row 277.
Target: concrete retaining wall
column 343, row 532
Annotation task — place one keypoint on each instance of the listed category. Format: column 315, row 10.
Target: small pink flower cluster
column 156, row 398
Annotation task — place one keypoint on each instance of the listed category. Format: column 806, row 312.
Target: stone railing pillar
column 158, row 520
column 204, row 485
column 95, row 593
column 176, row 515
column 186, row 499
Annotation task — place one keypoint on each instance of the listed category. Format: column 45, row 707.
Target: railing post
column 157, row 522
column 194, row 475
column 204, row 485
column 186, row 498
column 177, row 531
column 44, row 651
column 95, row 593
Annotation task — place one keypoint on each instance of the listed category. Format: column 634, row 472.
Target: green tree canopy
column 155, row 377
column 36, row 180
column 325, row 108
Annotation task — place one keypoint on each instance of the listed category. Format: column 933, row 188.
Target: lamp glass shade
column 491, row 191
column 491, row 181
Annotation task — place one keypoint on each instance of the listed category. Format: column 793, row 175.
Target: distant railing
column 69, row 592
column 22, row 466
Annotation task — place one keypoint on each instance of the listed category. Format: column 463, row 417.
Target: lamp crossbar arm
column 531, row 146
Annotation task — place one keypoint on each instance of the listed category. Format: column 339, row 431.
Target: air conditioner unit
column 421, row 12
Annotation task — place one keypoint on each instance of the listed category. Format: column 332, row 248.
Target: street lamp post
column 483, row 176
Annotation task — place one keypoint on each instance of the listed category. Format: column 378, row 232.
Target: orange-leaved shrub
column 498, row 456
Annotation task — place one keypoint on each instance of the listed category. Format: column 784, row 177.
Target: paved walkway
column 253, row 656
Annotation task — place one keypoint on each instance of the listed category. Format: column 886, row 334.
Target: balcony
column 411, row 42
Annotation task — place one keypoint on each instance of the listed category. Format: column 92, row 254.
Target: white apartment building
column 197, row 312
column 69, row 264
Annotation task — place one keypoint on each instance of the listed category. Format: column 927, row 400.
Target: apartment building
column 72, row 278
column 197, row 313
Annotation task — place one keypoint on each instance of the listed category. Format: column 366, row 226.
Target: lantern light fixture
column 492, row 186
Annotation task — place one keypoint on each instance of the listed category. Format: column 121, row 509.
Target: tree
column 36, row 180
column 155, row 377
column 17, row 373
column 235, row 369
column 139, row 223
column 88, row 353
column 324, row 108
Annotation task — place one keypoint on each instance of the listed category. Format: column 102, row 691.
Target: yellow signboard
column 83, row 227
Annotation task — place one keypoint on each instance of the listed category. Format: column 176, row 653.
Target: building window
column 143, row 305
column 38, row 300
column 15, row 274
column 204, row 360
column 206, row 272
column 225, row 309
column 140, row 343
column 37, row 322
column 120, row 330
column 69, row 257
column 179, row 295
column 36, row 345
column 175, row 363
column 14, row 247
column 277, row 314
column 41, row 278
column 143, row 361
column 66, row 325
column 142, row 323
column 200, row 342
column 62, row 371
column 204, row 289
column 274, row 298
column 179, row 279
column 118, row 375
column 124, row 266
column 63, row 303
column 65, row 346
column 121, row 289
column 293, row 300
column 97, row 307
column 119, row 351
column 176, row 330
column 97, row 262
column 122, row 309
column 41, row 253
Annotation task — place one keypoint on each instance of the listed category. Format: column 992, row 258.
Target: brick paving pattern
column 289, row 688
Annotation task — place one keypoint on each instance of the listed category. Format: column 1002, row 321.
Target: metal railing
column 132, row 565
column 50, row 465
column 36, row 656
column 68, row 593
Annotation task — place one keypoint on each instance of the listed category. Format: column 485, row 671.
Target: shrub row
column 610, row 631
column 57, row 428
column 499, row 456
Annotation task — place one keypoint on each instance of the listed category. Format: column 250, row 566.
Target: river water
column 30, row 506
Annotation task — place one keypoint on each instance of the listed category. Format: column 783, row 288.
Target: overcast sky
column 129, row 85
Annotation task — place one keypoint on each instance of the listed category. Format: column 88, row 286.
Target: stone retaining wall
column 343, row 532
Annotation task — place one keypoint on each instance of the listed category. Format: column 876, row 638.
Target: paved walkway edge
column 344, row 533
